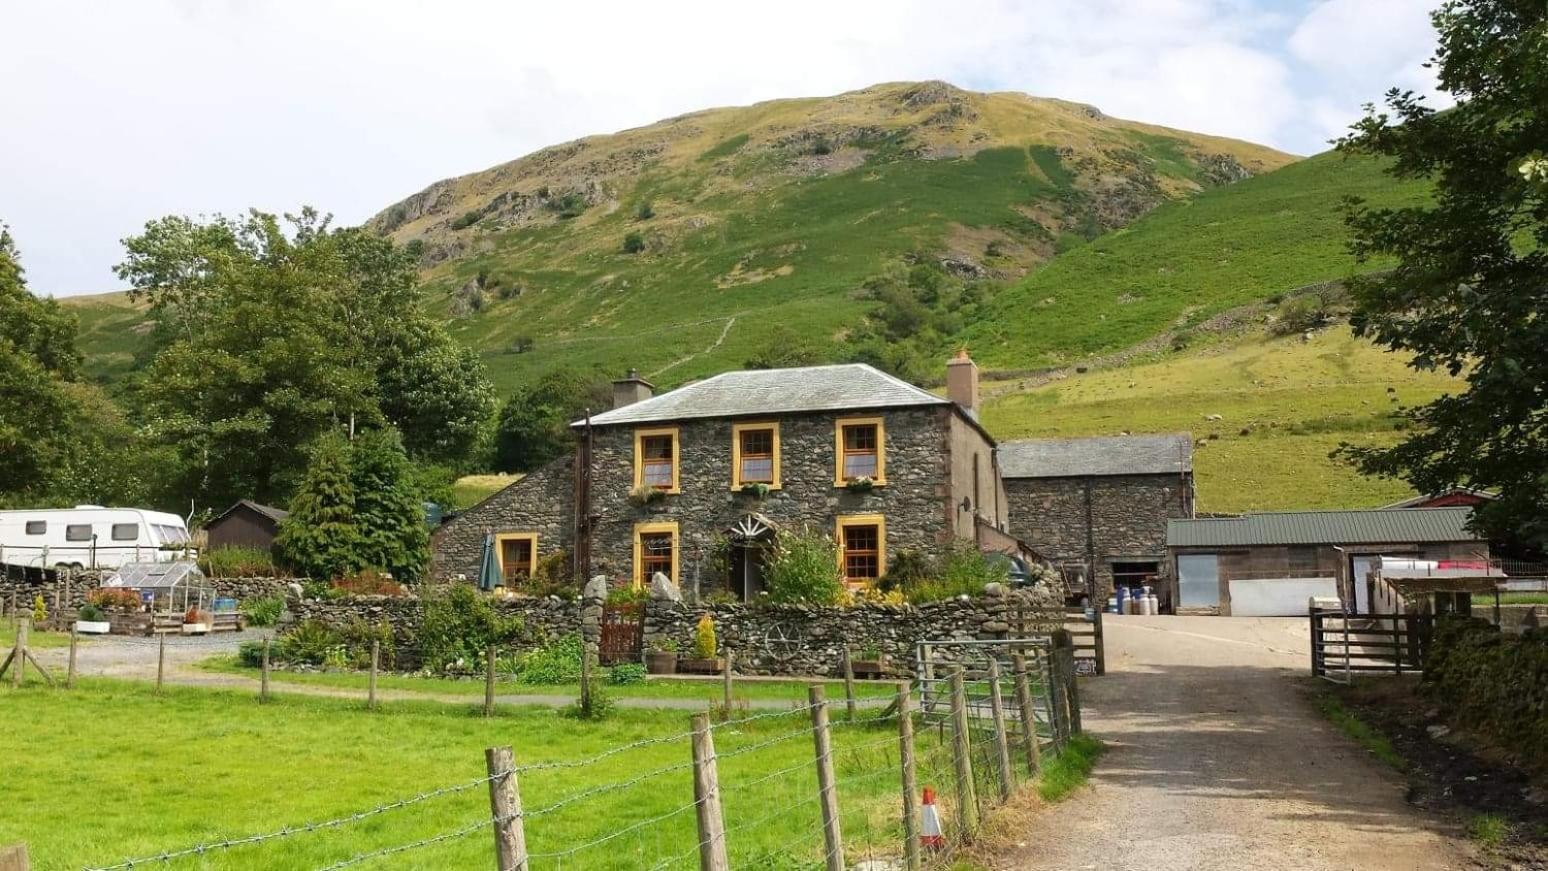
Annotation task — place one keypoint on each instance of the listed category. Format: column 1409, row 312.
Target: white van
column 89, row 537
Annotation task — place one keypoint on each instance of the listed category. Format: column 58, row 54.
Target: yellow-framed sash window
column 516, row 555
column 655, row 550
column 655, row 459
column 862, row 548
column 755, row 454
column 860, row 450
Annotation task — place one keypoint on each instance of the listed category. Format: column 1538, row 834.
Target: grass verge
column 1362, row 732
column 1489, row 830
column 1069, row 770
column 35, row 638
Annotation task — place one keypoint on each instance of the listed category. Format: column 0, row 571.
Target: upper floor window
column 860, row 445
column 754, row 454
column 655, row 459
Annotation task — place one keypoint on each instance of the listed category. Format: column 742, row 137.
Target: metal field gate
column 623, row 634
column 1344, row 646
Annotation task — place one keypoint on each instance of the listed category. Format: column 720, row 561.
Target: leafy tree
column 1470, row 287
column 322, row 537
column 388, row 511
column 282, row 331
column 534, row 424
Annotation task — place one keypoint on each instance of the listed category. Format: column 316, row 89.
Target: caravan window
column 37, row 527
column 126, row 532
column 78, row 532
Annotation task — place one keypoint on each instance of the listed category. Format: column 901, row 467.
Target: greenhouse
column 174, row 590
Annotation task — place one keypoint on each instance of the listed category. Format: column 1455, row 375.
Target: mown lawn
column 651, row 688
column 112, row 771
column 35, row 637
column 1283, row 406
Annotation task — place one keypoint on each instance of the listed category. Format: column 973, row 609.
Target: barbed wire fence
column 907, row 786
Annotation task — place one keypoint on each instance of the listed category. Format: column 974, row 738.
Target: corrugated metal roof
column 1104, row 455
column 775, row 391
column 1375, row 526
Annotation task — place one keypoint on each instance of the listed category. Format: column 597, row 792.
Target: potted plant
column 860, row 484
column 644, row 496
column 661, row 658
column 91, row 620
column 705, row 646
column 756, row 490
column 195, row 622
column 870, row 662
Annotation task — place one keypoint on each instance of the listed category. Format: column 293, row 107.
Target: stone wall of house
column 541, row 502
column 913, row 501
column 1128, row 515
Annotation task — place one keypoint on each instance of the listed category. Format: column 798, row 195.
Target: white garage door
column 1277, row 597
column 1198, row 580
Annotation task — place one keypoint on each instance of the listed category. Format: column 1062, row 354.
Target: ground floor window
column 655, row 550
column 1198, row 580
column 862, row 546
column 517, row 554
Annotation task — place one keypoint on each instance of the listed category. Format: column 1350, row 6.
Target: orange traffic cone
column 930, row 834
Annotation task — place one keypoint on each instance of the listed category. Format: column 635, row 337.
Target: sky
column 116, row 113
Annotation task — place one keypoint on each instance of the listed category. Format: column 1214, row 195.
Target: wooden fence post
column 927, row 694
column 726, row 688
column 70, row 669
column 1028, row 715
column 1001, row 740
column 706, row 794
column 1101, row 646
column 376, row 662
column 911, row 858
column 489, row 668
column 161, row 660
column 18, row 658
column 263, row 674
column 505, row 809
column 849, row 684
column 14, row 857
column 967, row 799
column 827, row 790
column 1072, row 693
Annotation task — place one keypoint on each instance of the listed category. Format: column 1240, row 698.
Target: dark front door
column 747, row 570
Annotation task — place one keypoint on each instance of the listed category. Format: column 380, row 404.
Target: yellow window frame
column 736, row 451
column 838, row 448
column 639, row 456
column 643, row 529
column 499, row 542
column 847, row 520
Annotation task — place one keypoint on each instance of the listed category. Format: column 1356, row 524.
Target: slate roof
column 1104, row 455
column 1375, row 526
column 269, row 511
column 850, row 386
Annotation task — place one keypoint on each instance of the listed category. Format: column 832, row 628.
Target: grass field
column 469, row 490
column 140, row 774
column 35, row 637
column 1296, row 400
column 653, row 688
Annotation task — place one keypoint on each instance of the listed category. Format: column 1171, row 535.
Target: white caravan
column 89, row 537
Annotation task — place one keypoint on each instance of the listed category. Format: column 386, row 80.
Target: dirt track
column 1218, row 761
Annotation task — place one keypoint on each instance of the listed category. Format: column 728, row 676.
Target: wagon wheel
column 782, row 641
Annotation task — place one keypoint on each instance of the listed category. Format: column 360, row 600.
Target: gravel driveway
column 1217, row 760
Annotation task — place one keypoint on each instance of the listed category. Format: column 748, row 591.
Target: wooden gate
column 1344, row 645
column 623, row 634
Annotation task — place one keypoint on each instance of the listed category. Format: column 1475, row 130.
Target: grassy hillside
column 752, row 219
column 1184, row 262
column 114, row 332
column 1283, row 405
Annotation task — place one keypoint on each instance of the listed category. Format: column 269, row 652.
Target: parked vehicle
column 89, row 537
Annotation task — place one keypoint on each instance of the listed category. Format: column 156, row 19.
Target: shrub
column 90, row 613
column 906, row 568
column 458, row 626
column 645, row 211
column 704, row 643
column 557, row 662
column 309, row 643
column 237, row 562
column 114, row 599
column 39, row 610
column 633, row 243
column 368, row 583
column 359, row 634
column 627, row 595
column 466, row 220
column 803, row 567
column 250, row 654
column 594, row 704
column 962, row 571
column 628, row 673
column 264, row 611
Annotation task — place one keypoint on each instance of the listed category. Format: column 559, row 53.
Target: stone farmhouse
column 696, row 482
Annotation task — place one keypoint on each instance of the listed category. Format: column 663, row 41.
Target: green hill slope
column 1185, row 262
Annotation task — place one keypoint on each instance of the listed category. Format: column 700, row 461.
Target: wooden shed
column 245, row 524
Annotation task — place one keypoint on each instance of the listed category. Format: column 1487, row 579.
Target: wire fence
column 817, row 782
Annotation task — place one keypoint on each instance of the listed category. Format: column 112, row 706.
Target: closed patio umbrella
column 488, row 567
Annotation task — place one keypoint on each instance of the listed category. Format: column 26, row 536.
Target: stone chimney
column 632, row 388
column 962, row 382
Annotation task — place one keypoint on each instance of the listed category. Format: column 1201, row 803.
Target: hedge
column 1494, row 683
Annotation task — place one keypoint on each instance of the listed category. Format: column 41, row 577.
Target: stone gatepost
column 592, row 598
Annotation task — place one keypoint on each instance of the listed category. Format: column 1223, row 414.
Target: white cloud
column 118, row 113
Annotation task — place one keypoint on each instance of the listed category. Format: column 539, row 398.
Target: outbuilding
column 245, row 524
column 1270, row 563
